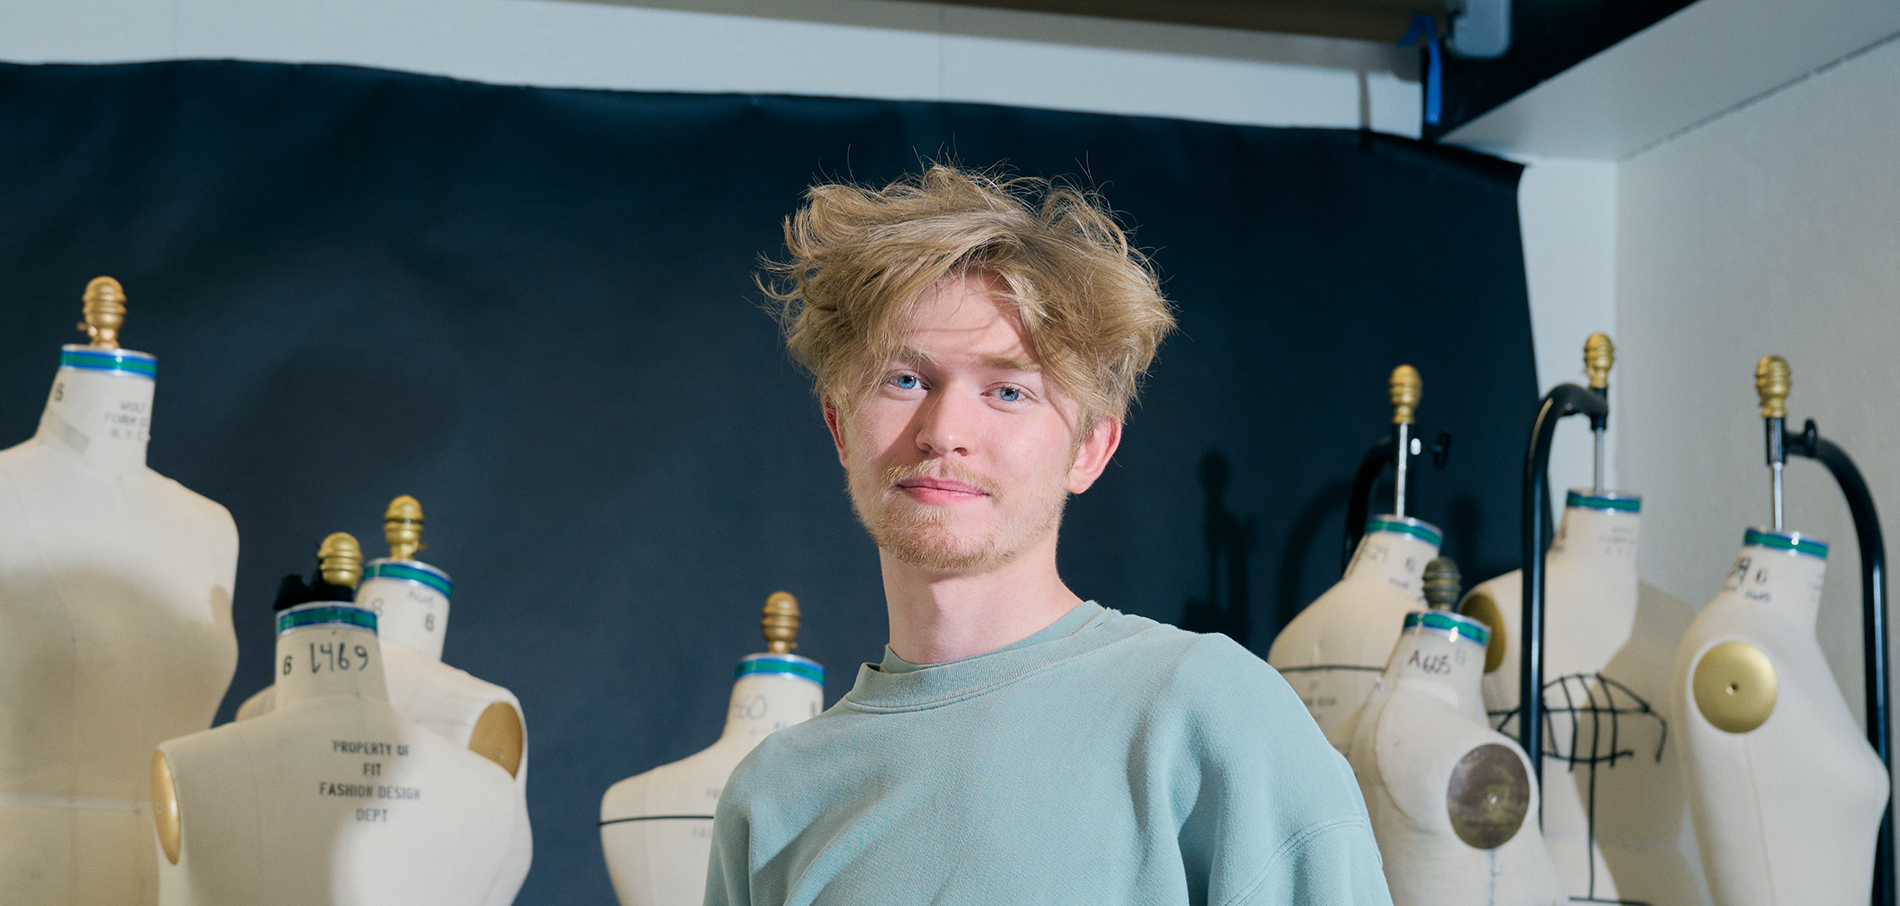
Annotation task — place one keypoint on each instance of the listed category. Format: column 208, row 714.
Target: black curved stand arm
column 1563, row 400
column 1360, row 505
column 1873, row 596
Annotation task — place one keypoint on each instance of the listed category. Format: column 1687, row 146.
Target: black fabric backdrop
column 533, row 310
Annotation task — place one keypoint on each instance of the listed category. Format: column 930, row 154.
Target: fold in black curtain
column 533, row 309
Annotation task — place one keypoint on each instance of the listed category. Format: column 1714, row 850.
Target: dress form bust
column 115, row 595
column 656, row 828
column 1613, row 801
column 1785, row 793
column 1333, row 652
column 332, row 798
column 411, row 602
column 1452, row 801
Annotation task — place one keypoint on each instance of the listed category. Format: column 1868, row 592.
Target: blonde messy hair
column 1087, row 302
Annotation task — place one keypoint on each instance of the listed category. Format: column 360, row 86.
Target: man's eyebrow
column 911, row 355
column 1011, row 363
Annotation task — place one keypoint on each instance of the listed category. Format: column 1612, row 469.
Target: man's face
column 962, row 456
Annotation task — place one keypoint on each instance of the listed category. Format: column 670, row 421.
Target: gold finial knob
column 780, row 623
column 402, row 528
column 1406, row 388
column 1773, row 380
column 104, row 311
column 1599, row 354
column 340, row 560
column 1443, row 583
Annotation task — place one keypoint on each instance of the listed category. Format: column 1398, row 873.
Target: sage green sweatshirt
column 1106, row 759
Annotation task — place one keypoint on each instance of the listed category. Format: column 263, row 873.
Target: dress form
column 1784, row 790
column 1613, row 799
column 1333, row 652
column 115, row 605
column 332, row 798
column 1451, row 800
column 656, row 828
column 411, row 601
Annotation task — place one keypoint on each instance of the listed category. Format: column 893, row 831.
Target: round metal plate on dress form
column 1489, row 795
column 1735, row 687
column 1480, row 607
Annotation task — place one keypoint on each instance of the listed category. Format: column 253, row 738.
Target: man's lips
column 939, row 490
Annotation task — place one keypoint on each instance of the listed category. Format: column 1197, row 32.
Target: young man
column 976, row 343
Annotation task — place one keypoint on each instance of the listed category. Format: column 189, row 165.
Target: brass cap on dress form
column 402, row 527
column 780, row 623
column 1599, row 355
column 1405, row 390
column 1773, row 381
column 1443, row 583
column 340, row 560
column 104, row 311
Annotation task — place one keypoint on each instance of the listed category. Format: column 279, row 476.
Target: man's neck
column 938, row 617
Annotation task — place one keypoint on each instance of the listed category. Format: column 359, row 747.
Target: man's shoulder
column 1200, row 666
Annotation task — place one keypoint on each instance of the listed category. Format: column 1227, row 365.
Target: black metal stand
column 1562, row 401
column 1359, row 505
column 1873, row 595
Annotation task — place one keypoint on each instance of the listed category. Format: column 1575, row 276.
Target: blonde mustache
column 944, row 470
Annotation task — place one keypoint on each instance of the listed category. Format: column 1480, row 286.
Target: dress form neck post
column 1395, row 550
column 411, row 601
column 100, row 407
column 327, row 649
column 1599, row 532
column 1442, row 654
column 1784, row 570
column 772, row 692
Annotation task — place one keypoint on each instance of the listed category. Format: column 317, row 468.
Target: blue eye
column 1009, row 394
column 906, row 382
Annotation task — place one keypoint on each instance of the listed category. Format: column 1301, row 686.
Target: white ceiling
column 1707, row 58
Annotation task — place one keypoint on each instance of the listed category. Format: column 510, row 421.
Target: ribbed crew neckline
column 898, row 685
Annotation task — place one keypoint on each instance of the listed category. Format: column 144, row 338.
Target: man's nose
column 946, row 422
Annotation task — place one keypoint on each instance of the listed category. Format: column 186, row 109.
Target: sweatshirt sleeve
column 1334, row 864
column 728, row 877
column 1276, row 817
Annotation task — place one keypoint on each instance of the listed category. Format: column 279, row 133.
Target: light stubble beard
column 920, row 535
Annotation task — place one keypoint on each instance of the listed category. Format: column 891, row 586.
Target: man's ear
column 1094, row 452
column 837, row 430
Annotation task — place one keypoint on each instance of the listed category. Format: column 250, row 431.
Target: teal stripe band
column 1432, row 619
column 317, row 616
column 1375, row 524
column 121, row 361
column 435, row 579
column 1591, row 501
column 1785, row 541
column 800, row 668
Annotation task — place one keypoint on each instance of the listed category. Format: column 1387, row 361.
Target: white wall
column 1774, row 229
column 855, row 48
column 1567, row 212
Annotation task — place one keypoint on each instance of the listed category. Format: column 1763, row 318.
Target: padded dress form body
column 1333, row 651
column 1786, row 813
column 1423, row 724
column 656, row 827
column 115, row 634
column 1614, row 808
column 333, row 798
column 411, row 600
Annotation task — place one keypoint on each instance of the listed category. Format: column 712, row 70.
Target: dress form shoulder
column 411, row 600
column 1452, row 801
column 1333, row 652
column 656, row 827
column 333, row 797
column 1785, row 792
column 115, row 631
column 1614, row 808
